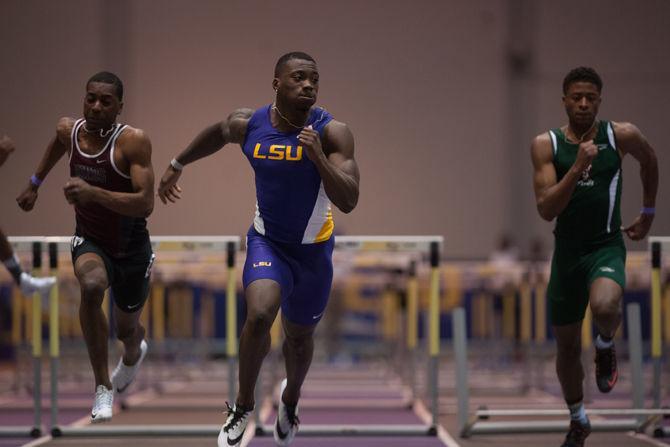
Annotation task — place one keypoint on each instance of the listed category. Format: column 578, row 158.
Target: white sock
column 578, row 412
column 602, row 344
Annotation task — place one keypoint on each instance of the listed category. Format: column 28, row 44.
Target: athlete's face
column 298, row 83
column 582, row 101
column 101, row 105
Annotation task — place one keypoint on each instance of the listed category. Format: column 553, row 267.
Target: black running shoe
column 606, row 370
column 577, row 434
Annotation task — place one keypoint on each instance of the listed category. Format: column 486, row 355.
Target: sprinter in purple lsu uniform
column 303, row 160
column 111, row 188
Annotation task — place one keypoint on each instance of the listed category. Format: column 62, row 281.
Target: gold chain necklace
column 274, row 106
column 585, row 133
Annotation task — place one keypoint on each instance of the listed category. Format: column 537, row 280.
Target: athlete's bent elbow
column 147, row 211
column 349, row 205
column 544, row 213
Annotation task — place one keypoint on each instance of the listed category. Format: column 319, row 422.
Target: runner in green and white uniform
column 577, row 181
column 589, row 243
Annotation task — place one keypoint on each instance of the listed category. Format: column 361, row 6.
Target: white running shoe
column 232, row 431
column 102, row 406
column 30, row 284
column 123, row 374
column 286, row 425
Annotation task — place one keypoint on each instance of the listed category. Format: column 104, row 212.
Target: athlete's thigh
column 265, row 264
column 124, row 320
column 608, row 262
column 90, row 263
column 131, row 289
column 605, row 291
column 313, row 273
column 296, row 331
column 567, row 290
column 262, row 297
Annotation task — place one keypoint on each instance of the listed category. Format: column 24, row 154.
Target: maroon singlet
column 115, row 233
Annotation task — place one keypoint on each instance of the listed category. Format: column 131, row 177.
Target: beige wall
column 442, row 129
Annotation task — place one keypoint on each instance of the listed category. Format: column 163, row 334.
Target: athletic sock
column 603, row 342
column 14, row 268
column 578, row 412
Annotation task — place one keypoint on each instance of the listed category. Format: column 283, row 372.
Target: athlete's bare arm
column 135, row 148
column 231, row 130
column 335, row 162
column 57, row 147
column 6, row 148
column 552, row 196
column 631, row 141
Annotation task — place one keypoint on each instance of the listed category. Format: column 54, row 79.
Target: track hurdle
column 33, row 245
column 229, row 244
column 425, row 245
column 655, row 246
column 635, row 418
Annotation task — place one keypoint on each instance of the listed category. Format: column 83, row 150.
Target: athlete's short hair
column 582, row 74
column 108, row 78
column 292, row 55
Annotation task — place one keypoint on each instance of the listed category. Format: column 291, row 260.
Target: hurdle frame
column 655, row 247
column 428, row 245
column 642, row 419
column 33, row 245
column 164, row 243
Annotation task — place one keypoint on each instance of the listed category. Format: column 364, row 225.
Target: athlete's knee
column 607, row 307
column 126, row 334
column 298, row 337
column 260, row 320
column 92, row 287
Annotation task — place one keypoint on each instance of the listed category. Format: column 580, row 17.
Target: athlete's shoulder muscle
column 135, row 145
column 234, row 128
column 64, row 130
column 630, row 140
column 541, row 151
column 627, row 135
column 338, row 138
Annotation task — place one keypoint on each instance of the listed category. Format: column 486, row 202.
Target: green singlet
column 588, row 239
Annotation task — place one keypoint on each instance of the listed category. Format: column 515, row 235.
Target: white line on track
column 38, row 441
column 646, row 438
column 443, row 435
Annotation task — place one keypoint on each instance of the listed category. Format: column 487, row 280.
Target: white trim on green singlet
column 610, row 135
column 613, row 189
column 554, row 143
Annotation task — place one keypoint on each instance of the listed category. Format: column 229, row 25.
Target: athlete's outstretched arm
column 231, row 130
column 631, row 141
column 338, row 169
column 57, row 147
column 551, row 195
column 136, row 149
